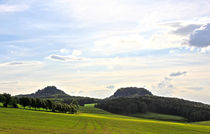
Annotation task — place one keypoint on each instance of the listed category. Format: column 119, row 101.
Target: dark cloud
column 195, row 88
column 57, row 57
column 20, row 63
column 110, row 87
column 177, row 74
column 64, row 58
column 201, row 37
column 8, row 82
column 80, row 92
column 186, row 30
column 15, row 63
column 165, row 87
column 167, row 79
column 165, row 83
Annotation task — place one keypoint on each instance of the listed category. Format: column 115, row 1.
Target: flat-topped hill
column 131, row 92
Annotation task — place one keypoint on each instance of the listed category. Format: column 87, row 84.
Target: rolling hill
column 129, row 101
column 93, row 121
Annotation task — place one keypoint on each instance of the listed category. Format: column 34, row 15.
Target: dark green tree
column 38, row 103
column 14, row 102
column 25, row 101
column 49, row 104
column 33, row 103
column 2, row 98
column 7, row 99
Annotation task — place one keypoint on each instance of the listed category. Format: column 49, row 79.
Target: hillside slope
column 192, row 111
column 19, row 121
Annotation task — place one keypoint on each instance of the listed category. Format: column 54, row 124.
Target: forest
column 192, row 111
column 38, row 103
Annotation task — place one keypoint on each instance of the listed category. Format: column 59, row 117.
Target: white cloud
column 119, row 44
column 76, row 52
column 64, row 50
column 114, row 11
column 134, row 42
column 12, row 8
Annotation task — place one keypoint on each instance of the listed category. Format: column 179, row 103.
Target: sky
column 94, row 47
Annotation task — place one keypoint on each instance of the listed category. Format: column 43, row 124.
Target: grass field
column 162, row 117
column 203, row 123
column 89, row 120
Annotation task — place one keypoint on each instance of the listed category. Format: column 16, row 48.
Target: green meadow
column 89, row 120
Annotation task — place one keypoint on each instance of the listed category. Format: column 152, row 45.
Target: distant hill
column 132, row 100
column 51, row 92
column 131, row 92
column 47, row 92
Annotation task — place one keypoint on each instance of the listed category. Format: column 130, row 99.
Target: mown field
column 163, row 117
column 89, row 120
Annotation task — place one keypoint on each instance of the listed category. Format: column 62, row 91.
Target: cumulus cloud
column 177, row 74
column 201, row 37
column 12, row 8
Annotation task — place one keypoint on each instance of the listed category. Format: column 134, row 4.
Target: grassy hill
column 88, row 121
column 163, row 117
column 203, row 123
column 89, row 108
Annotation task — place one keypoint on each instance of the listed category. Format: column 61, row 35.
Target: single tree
column 7, row 99
column 25, row 101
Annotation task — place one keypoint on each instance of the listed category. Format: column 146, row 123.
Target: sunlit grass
column 163, row 117
column 20, row 121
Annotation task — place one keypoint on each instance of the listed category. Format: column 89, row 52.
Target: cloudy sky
column 93, row 47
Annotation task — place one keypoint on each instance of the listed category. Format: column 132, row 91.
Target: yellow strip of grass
column 126, row 118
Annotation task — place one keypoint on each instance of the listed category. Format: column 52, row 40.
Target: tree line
column 81, row 100
column 37, row 103
column 192, row 111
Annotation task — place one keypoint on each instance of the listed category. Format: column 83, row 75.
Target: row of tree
column 193, row 111
column 81, row 100
column 7, row 99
